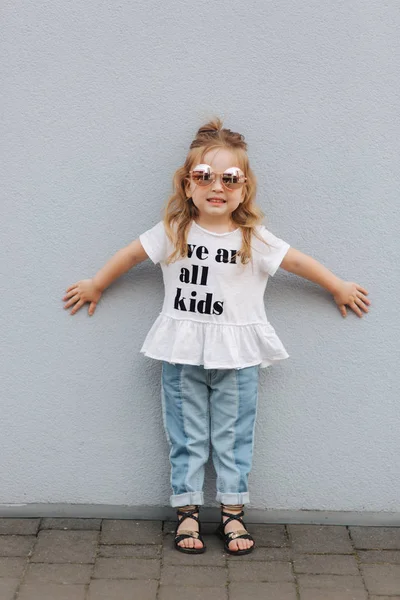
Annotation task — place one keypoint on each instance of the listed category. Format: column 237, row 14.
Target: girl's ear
column 187, row 188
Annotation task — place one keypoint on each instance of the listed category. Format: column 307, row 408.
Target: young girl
column 213, row 334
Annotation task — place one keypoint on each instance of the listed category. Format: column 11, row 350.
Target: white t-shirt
column 213, row 312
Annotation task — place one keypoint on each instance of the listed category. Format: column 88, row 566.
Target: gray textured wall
column 100, row 105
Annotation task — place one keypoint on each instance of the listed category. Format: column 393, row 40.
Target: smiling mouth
column 216, row 200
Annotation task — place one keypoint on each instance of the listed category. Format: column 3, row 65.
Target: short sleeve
column 155, row 242
column 273, row 253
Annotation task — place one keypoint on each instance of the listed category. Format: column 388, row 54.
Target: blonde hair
column 180, row 211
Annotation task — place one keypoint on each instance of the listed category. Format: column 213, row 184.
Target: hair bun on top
column 210, row 128
column 214, row 130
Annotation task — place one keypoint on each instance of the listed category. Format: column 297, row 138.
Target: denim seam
column 255, row 421
column 183, row 421
column 217, row 463
column 235, row 428
column 165, row 422
column 208, row 429
column 164, row 406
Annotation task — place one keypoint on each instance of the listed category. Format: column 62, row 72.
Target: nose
column 217, row 185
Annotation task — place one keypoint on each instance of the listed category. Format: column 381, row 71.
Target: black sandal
column 234, row 535
column 185, row 533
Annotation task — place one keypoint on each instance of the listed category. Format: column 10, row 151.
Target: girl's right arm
column 90, row 290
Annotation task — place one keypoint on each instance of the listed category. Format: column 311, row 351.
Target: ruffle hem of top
column 198, row 343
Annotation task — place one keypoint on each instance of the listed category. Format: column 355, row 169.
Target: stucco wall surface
column 100, row 103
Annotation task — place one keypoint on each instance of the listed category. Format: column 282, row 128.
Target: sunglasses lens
column 202, row 175
column 233, row 178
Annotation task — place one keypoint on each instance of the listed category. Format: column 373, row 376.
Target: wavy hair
column 180, row 211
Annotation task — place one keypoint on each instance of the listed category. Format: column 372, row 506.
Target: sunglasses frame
column 213, row 175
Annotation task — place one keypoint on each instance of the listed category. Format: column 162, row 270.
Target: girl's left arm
column 344, row 292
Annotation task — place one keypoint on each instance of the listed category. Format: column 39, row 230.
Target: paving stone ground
column 104, row 559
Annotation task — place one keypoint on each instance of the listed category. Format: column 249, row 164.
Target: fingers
column 354, row 307
column 360, row 300
column 363, row 290
column 74, row 298
column 77, row 307
column 72, row 290
column 364, row 299
column 72, row 301
column 361, row 303
column 356, row 304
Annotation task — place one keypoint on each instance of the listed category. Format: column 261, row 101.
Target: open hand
column 81, row 292
column 353, row 295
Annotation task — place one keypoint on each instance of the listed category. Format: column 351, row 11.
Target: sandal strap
column 241, row 533
column 189, row 532
column 187, row 514
column 186, row 533
column 233, row 517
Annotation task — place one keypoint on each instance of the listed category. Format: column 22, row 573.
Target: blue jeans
column 199, row 404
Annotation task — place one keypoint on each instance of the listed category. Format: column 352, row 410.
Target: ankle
column 234, row 508
column 188, row 508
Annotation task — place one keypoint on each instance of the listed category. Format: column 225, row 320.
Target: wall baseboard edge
column 210, row 514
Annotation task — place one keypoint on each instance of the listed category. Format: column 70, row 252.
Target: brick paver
column 332, row 582
column 260, row 571
column 379, row 556
column 12, row 567
column 16, row 545
column 102, row 589
column 79, row 524
column 324, row 539
column 340, row 594
column 171, row 592
column 271, row 536
column 51, row 591
column 129, row 551
column 58, row 573
column 376, row 538
column 127, row 568
column 196, row 576
column 384, row 598
column 263, row 554
column 8, row 587
column 382, row 579
column 331, row 587
column 319, row 564
column 262, row 591
column 19, row 526
column 65, row 546
column 95, row 559
column 131, row 532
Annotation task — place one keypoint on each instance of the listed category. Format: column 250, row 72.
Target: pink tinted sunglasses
column 232, row 178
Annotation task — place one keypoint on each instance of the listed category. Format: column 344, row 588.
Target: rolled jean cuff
column 241, row 498
column 187, row 498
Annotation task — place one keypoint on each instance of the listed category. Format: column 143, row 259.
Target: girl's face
column 215, row 202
